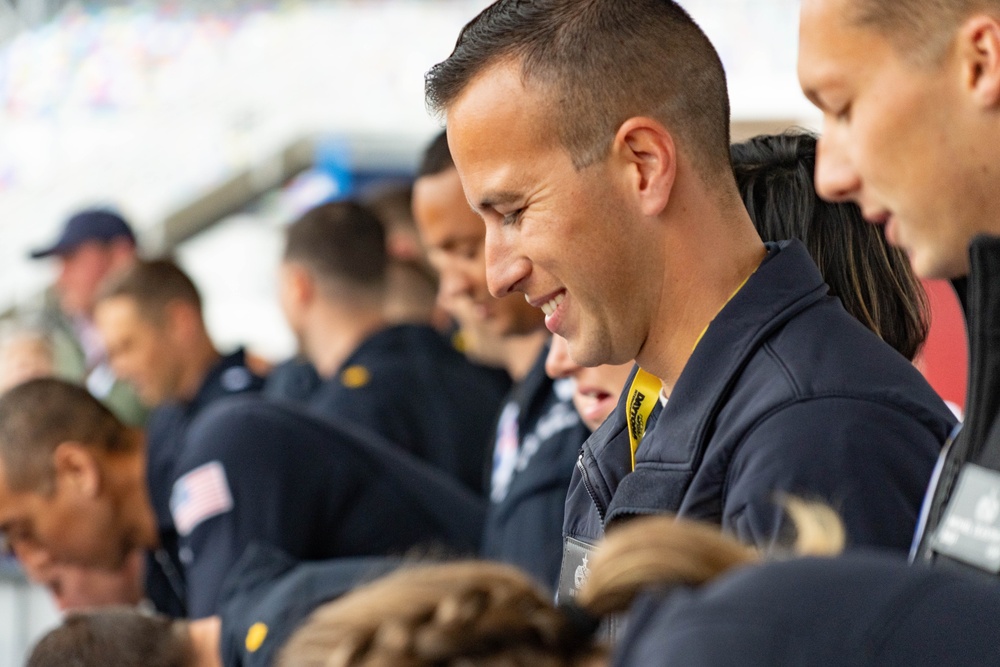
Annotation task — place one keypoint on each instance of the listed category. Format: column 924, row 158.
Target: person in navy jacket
column 404, row 381
column 150, row 317
column 538, row 434
column 631, row 236
column 249, row 471
column 876, row 285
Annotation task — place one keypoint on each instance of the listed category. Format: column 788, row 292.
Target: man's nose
column 506, row 268
column 454, row 282
column 836, row 178
column 35, row 561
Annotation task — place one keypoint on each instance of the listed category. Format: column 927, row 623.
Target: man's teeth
column 550, row 307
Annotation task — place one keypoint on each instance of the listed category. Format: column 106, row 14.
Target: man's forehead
column 830, row 40
column 498, row 98
column 118, row 308
column 84, row 250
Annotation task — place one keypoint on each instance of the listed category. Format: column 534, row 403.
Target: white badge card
column 970, row 529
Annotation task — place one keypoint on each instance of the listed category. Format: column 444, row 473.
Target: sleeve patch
column 199, row 495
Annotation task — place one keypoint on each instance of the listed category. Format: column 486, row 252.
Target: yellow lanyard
column 644, row 392
column 642, row 397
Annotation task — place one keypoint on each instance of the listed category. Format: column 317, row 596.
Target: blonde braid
column 481, row 614
column 448, row 615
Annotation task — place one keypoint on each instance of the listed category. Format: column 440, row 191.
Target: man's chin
column 935, row 267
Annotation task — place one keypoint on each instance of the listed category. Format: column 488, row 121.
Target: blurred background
column 210, row 124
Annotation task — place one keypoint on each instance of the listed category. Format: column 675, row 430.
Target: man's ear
column 182, row 319
column 979, row 50
column 299, row 283
column 649, row 153
column 77, row 469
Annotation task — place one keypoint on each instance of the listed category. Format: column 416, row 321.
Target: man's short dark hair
column 152, row 284
column 437, row 157
column 37, row 416
column 607, row 61
column 392, row 202
column 341, row 243
column 125, row 637
column 920, row 30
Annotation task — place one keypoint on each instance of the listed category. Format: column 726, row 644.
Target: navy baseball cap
column 90, row 225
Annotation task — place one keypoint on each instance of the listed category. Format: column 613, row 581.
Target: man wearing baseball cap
column 94, row 243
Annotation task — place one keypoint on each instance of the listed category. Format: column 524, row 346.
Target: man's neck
column 200, row 358
column 333, row 334
column 711, row 261
column 411, row 295
column 128, row 472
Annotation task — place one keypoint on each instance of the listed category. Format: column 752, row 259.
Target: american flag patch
column 200, row 495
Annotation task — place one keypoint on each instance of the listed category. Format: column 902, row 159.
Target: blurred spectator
column 73, row 484
column 150, row 318
column 538, row 433
column 411, row 293
column 94, row 244
column 25, row 352
column 403, row 381
column 411, row 288
column 75, row 587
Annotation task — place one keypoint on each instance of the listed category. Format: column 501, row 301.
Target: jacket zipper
column 590, row 488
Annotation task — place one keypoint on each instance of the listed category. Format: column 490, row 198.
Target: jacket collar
column 786, row 283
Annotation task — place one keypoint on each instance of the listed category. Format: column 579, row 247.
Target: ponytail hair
column 451, row 614
column 492, row 615
column 657, row 551
column 665, row 551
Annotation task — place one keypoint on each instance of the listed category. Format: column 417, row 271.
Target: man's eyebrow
column 500, row 198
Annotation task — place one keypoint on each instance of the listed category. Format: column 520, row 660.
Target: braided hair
column 482, row 614
column 448, row 615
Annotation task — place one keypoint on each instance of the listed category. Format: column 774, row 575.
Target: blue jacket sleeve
column 870, row 462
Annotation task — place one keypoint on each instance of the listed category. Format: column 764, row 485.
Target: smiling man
column 592, row 138
column 910, row 95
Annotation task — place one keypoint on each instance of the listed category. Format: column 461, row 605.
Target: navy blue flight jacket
column 257, row 471
column 785, row 394
column 164, row 436
column 978, row 444
column 861, row 609
column 410, row 385
column 269, row 594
